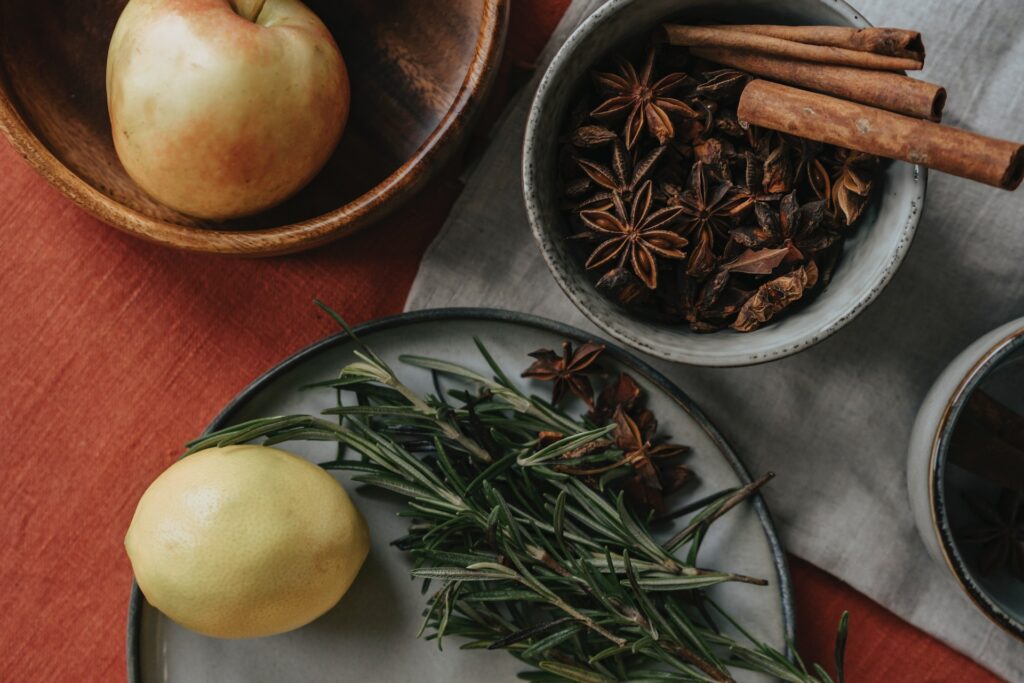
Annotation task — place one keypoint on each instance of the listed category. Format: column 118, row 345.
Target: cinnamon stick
column 895, row 42
column 883, row 133
column 704, row 36
column 883, row 89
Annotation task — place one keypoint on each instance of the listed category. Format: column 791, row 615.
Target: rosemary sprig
column 560, row 573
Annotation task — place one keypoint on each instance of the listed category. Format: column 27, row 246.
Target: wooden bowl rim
column 345, row 220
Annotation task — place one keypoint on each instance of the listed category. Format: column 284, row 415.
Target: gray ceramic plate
column 371, row 634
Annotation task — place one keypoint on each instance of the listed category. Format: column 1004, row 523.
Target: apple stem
column 248, row 9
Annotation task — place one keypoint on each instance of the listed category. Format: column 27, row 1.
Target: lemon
column 245, row 541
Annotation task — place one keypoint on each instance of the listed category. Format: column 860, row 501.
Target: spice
column 882, row 89
column 655, row 467
column 714, row 36
column 875, row 131
column 896, row 42
column 645, row 104
column 702, row 221
column 569, row 372
column 635, row 235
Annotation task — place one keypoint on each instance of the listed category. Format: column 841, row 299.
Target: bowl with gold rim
column 965, row 473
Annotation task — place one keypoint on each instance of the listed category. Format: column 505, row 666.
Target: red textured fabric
column 114, row 352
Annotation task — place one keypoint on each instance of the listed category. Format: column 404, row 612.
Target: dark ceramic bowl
column 939, row 488
column 871, row 255
column 419, row 70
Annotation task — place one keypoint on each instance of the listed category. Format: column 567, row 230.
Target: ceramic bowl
column 419, row 70
column 938, row 486
column 871, row 255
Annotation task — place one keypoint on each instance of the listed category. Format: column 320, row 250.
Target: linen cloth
column 834, row 421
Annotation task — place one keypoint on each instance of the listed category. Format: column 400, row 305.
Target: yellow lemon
column 245, row 541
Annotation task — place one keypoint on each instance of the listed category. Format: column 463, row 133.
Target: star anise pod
column 622, row 178
column 569, row 372
column 644, row 103
column 592, row 136
column 624, row 392
column 637, row 236
column 635, row 443
column 851, row 183
column 774, row 296
column 810, row 168
column 706, row 211
column 722, row 84
column 626, row 286
column 778, row 172
column 752, row 186
column 1000, row 533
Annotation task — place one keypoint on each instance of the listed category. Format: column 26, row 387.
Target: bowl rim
column 994, row 353
column 620, row 332
column 355, row 215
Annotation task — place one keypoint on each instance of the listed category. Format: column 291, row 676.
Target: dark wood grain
column 418, row 69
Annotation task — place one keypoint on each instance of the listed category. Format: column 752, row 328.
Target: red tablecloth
column 115, row 352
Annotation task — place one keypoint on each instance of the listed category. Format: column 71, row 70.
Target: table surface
column 115, row 352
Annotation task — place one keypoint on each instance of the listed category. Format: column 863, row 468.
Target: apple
column 224, row 108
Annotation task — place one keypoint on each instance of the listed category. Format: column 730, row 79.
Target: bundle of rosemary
column 557, row 569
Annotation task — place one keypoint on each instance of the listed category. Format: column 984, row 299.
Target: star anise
column 623, row 392
column 622, row 178
column 634, row 440
column 1000, row 533
column 752, row 186
column 774, row 296
column 655, row 467
column 644, row 103
column 636, row 236
column 592, row 136
column 707, row 211
column 851, row 183
column 569, row 372
column 722, row 83
column 810, row 168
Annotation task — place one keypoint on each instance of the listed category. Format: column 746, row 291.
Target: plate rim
column 619, row 353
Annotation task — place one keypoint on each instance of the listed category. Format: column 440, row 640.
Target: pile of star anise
column 656, row 470
column 687, row 215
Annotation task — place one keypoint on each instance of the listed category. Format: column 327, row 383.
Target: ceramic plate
column 371, row 634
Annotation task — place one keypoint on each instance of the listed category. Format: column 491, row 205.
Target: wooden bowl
column 419, row 70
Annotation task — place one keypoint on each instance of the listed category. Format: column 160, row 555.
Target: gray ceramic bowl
column 870, row 258
column 937, row 486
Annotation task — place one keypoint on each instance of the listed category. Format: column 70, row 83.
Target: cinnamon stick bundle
column 882, row 133
column 705, row 36
column 895, row 42
column 882, row 89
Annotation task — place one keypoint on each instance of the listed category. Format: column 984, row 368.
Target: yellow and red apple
column 224, row 108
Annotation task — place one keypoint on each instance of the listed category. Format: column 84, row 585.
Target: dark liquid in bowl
column 984, row 484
